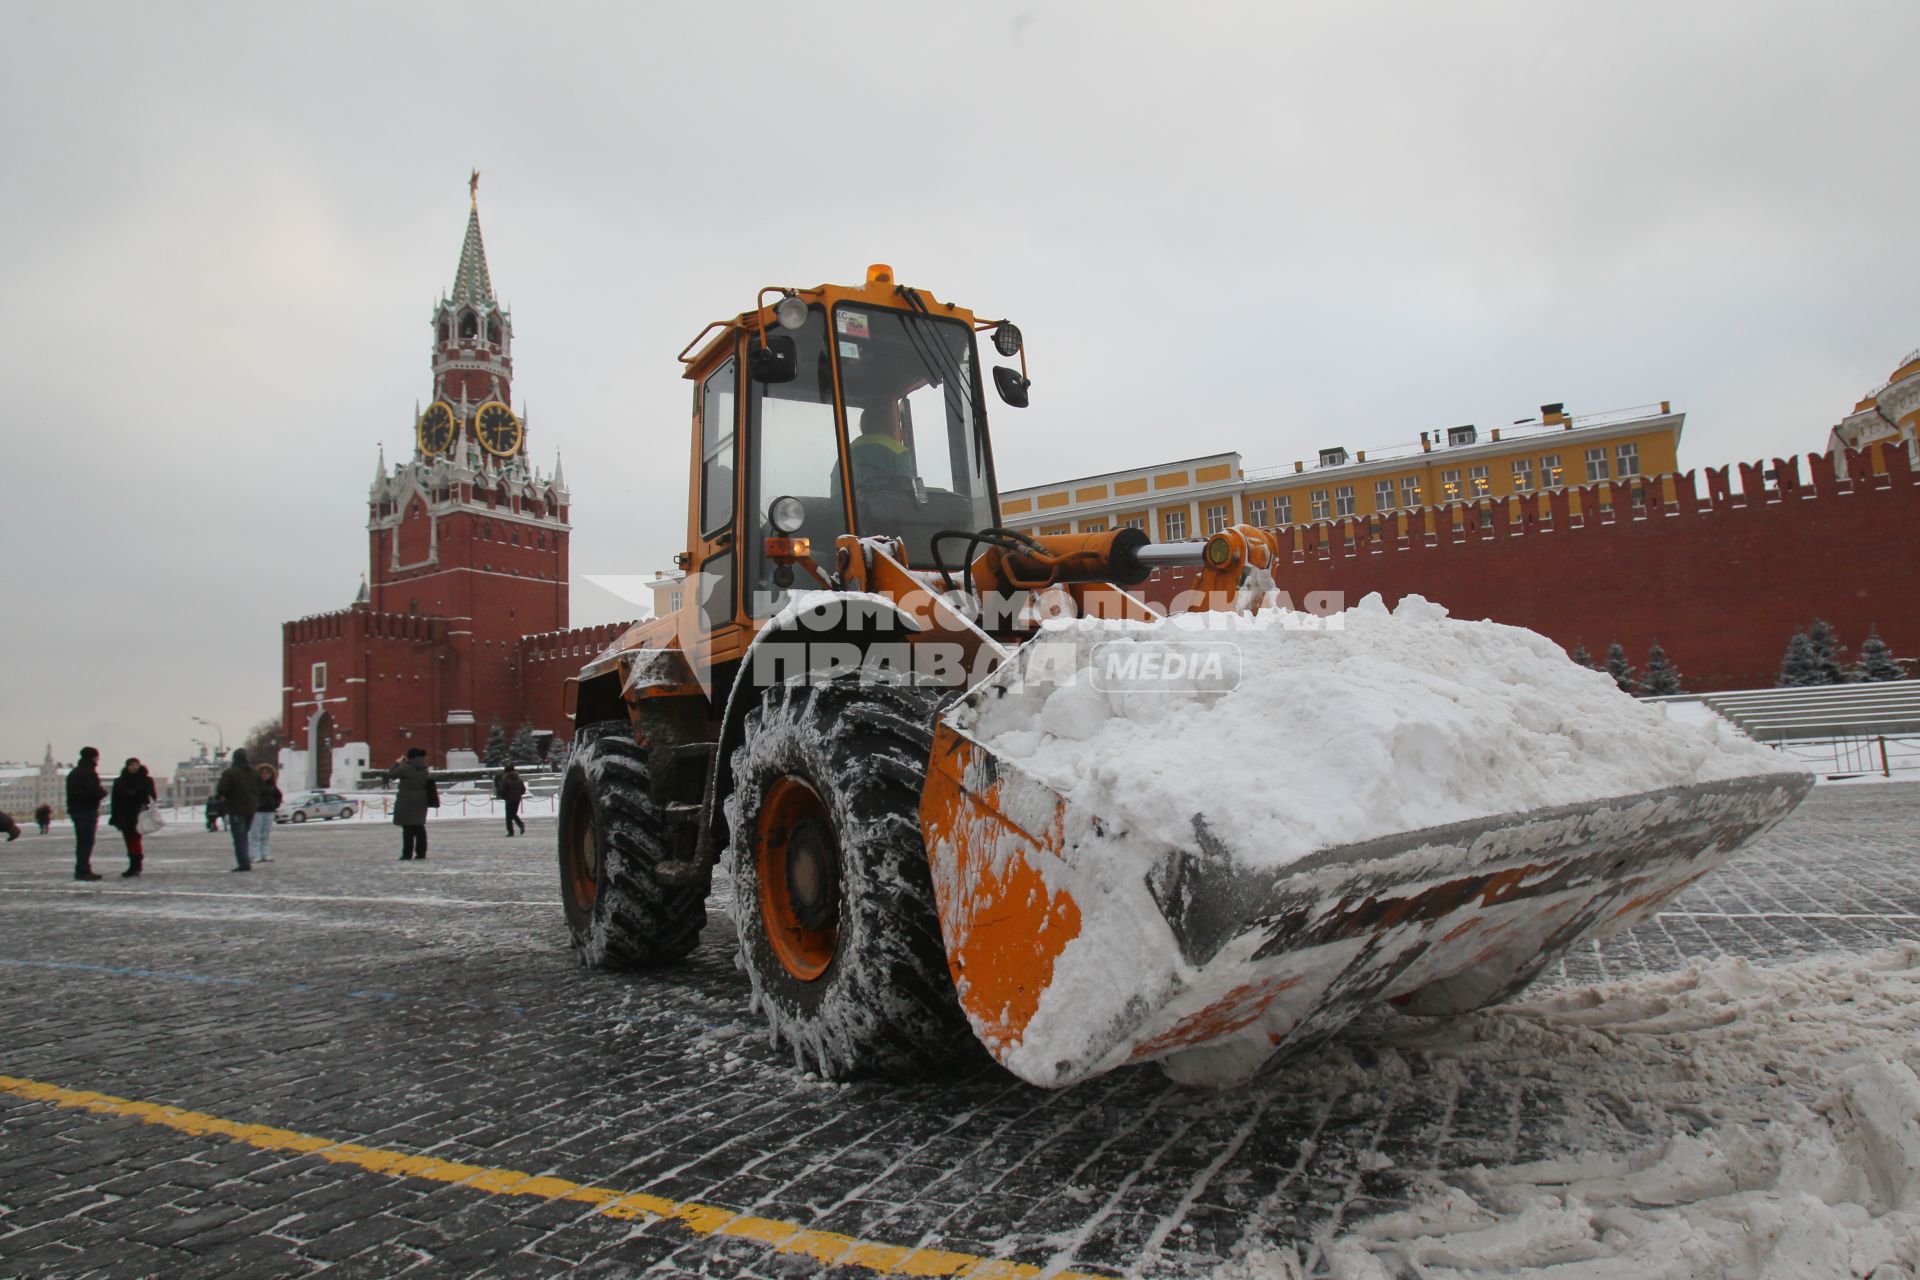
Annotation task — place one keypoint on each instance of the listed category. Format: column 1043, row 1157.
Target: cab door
column 715, row 568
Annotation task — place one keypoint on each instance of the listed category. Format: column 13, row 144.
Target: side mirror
column 1011, row 385
column 777, row 361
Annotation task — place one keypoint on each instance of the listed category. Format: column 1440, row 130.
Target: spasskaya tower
column 467, row 549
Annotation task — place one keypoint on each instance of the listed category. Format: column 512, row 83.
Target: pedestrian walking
column 84, row 794
column 414, row 795
column 213, row 813
column 512, row 789
column 132, row 793
column 44, row 816
column 239, row 792
column 263, row 818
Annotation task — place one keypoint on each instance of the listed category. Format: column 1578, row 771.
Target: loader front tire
column 612, row 835
column 833, row 899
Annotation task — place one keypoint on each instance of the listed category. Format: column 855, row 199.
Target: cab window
column 716, row 449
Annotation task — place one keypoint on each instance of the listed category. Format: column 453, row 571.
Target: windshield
column 918, row 458
column 794, row 445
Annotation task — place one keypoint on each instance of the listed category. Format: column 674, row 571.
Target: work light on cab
column 787, row 514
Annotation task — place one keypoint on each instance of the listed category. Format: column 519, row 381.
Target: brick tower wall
column 384, row 675
column 548, row 661
column 1722, row 579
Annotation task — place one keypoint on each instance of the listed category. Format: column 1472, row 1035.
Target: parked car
column 314, row 804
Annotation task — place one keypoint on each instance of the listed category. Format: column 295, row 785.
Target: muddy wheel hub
column 813, row 875
column 796, row 861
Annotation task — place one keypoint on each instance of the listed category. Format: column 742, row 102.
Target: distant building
column 1886, row 415
column 1194, row 497
column 194, row 780
column 24, row 788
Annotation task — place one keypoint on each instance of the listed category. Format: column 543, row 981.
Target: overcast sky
column 1263, row 228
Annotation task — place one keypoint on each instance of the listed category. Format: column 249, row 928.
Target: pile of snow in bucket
column 1781, row 1103
column 1291, row 738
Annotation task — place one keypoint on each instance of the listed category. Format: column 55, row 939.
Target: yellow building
column 1197, row 496
column 1887, row 414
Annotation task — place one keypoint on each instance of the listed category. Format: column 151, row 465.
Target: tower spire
column 471, row 283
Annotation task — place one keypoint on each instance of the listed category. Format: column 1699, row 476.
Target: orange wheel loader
column 798, row 721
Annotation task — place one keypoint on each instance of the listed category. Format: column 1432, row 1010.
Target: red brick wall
column 549, row 660
column 1721, row 579
column 384, row 675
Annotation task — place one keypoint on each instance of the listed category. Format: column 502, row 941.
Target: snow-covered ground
column 1729, row 1121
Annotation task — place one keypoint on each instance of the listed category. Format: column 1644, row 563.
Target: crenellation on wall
column 1719, row 566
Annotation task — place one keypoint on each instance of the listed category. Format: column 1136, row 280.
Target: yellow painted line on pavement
column 826, row 1247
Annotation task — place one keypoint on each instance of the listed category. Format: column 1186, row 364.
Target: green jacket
column 882, row 460
column 239, row 789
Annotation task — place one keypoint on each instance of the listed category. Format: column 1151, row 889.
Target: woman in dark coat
column 414, row 795
column 132, row 792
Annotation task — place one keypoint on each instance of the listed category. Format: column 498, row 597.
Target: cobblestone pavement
column 433, row 1009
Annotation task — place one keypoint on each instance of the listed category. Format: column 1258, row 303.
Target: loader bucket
column 1076, row 950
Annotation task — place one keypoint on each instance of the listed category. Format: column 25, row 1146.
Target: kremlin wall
column 1720, row 569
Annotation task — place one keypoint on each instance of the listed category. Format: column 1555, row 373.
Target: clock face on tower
column 498, row 429
column 436, row 427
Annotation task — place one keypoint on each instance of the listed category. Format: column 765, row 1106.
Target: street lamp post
column 218, row 731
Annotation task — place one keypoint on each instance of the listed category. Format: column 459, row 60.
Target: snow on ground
column 1727, row 1122
column 1385, row 722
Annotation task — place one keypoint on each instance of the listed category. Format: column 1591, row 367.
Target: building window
column 1257, row 512
column 1217, row 519
column 1176, row 525
column 319, row 677
column 1596, row 464
column 1627, row 459
column 1343, row 500
column 1409, row 491
column 1283, row 509
column 1319, row 506
column 1383, row 495
column 1477, row 482
column 1054, row 532
column 1450, row 485
column 1094, row 526
column 673, row 602
column 1550, row 473
column 1133, row 522
column 1523, row 475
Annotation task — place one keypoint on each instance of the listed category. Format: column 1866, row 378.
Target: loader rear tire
column 833, row 898
column 612, row 835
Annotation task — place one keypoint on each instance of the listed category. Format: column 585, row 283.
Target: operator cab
column 905, row 457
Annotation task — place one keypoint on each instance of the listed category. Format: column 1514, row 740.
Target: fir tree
column 525, row 748
column 1621, row 670
column 1877, row 661
column 495, row 753
column 1800, row 666
column 1583, row 658
column 1662, row 676
column 1826, row 652
column 557, row 751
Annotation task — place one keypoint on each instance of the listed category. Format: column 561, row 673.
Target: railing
column 1858, row 757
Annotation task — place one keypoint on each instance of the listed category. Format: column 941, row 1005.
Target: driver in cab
column 881, row 459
